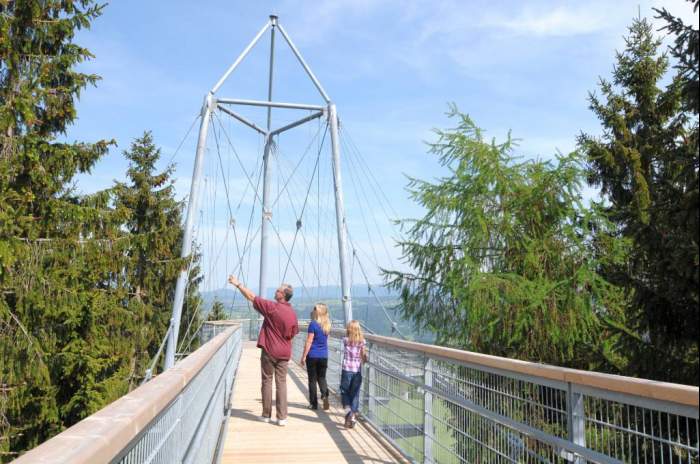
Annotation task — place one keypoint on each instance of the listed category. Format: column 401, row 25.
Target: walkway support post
column 266, row 209
column 340, row 214
column 207, row 108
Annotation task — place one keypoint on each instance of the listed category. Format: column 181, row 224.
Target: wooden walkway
column 309, row 436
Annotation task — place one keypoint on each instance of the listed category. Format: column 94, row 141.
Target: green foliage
column 504, row 259
column 86, row 282
column 152, row 218
column 217, row 312
column 646, row 165
column 686, row 51
column 51, row 309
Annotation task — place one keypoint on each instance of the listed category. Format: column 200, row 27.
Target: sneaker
column 312, row 407
column 265, row 419
column 353, row 420
column 348, row 420
column 281, row 422
column 326, row 405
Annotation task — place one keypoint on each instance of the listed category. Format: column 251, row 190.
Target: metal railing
column 177, row 417
column 440, row 405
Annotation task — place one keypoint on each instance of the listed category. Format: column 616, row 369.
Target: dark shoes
column 312, row 407
column 348, row 421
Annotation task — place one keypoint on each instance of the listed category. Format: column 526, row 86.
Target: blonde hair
column 320, row 315
column 354, row 332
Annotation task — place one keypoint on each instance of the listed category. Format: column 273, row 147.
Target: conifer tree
column 217, row 312
column 152, row 218
column 646, row 165
column 503, row 261
column 61, row 321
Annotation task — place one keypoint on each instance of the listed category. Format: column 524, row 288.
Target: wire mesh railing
column 178, row 416
column 439, row 405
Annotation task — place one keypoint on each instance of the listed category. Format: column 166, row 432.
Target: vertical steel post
column 428, row 412
column 576, row 416
column 189, row 225
column 340, row 214
column 267, row 167
column 266, row 216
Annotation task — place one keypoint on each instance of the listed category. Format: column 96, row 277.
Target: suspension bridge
column 419, row 402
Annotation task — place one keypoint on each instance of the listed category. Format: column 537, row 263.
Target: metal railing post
column 371, row 387
column 576, row 416
column 428, row 412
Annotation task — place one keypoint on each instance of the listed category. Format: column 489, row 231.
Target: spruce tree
column 62, row 324
column 646, row 166
column 152, row 217
column 217, row 312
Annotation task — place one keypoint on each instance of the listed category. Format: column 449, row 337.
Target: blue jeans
column 350, row 383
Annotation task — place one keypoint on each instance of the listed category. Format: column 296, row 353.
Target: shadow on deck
column 309, row 437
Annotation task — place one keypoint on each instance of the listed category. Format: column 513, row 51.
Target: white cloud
column 560, row 21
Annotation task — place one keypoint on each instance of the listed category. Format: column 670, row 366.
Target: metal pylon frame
column 211, row 103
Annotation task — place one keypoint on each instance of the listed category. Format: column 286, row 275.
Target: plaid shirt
column 352, row 355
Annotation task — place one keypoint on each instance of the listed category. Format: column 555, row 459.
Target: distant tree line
column 508, row 260
column 86, row 281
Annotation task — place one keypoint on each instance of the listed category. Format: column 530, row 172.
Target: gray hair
column 288, row 291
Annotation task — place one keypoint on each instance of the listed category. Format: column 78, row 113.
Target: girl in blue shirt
column 315, row 356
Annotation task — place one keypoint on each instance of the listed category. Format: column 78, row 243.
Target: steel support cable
column 298, row 218
column 284, row 248
column 371, row 212
column 329, row 201
column 228, row 198
column 189, row 264
column 327, row 232
column 394, row 325
column 370, row 174
column 369, row 285
column 240, row 162
column 306, row 151
column 307, row 252
column 187, row 284
column 355, row 250
column 185, row 347
column 177, row 150
column 149, row 371
column 328, row 221
column 195, row 310
column 364, row 221
column 301, row 214
column 247, row 243
column 256, row 197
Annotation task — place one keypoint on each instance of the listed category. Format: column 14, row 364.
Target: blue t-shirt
column 319, row 347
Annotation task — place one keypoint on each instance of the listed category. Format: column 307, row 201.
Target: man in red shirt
column 275, row 340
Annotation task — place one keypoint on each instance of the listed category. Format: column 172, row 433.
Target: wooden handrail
column 675, row 393
column 103, row 435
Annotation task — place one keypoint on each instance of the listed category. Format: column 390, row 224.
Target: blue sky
column 390, row 66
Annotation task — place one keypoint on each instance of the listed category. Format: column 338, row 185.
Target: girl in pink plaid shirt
column 354, row 353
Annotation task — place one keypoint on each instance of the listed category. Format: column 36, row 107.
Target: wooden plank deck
column 309, row 436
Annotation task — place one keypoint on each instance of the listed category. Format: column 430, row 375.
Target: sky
column 390, row 66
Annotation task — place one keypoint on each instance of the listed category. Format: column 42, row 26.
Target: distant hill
column 321, row 293
column 365, row 307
